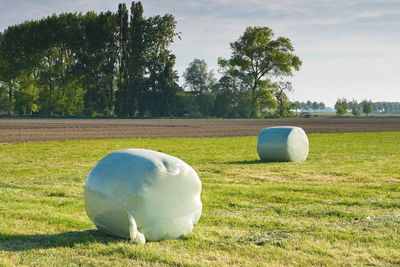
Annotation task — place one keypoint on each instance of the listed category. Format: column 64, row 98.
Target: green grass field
column 340, row 207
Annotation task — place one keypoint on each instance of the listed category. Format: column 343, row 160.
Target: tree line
column 309, row 106
column 93, row 64
column 342, row 106
column 120, row 64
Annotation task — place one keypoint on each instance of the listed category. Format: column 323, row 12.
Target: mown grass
column 340, row 207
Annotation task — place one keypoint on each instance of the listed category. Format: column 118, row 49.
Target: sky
column 349, row 48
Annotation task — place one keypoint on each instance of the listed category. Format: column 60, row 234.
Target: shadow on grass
column 247, row 162
column 67, row 239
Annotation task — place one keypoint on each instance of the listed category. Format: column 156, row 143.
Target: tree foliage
column 284, row 106
column 256, row 59
column 200, row 83
column 309, row 105
column 367, row 106
column 355, row 107
column 120, row 64
column 386, row 107
column 94, row 64
column 341, row 106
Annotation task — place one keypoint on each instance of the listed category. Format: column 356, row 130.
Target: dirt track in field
column 33, row 130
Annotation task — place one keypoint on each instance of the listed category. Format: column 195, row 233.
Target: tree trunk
column 10, row 99
column 253, row 113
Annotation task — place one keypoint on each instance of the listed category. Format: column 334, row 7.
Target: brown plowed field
column 32, row 130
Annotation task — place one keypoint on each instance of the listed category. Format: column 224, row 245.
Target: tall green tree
column 121, row 104
column 232, row 98
column 168, row 87
column 227, row 98
column 308, row 105
column 367, row 106
column 159, row 62
column 136, row 62
column 98, row 58
column 315, row 106
column 201, row 84
column 341, row 106
column 284, row 106
column 355, row 107
column 257, row 58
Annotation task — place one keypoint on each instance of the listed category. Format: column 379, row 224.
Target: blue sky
column 349, row 48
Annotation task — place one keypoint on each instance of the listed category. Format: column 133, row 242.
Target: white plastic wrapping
column 143, row 195
column 284, row 143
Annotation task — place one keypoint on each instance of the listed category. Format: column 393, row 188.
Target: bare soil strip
column 33, row 130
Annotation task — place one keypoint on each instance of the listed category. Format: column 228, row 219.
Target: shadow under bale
column 10, row 242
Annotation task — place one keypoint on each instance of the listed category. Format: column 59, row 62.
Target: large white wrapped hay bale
column 284, row 143
column 143, row 195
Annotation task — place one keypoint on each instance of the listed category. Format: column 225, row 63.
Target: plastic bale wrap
column 285, row 143
column 143, row 195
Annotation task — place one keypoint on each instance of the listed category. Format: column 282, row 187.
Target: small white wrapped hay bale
column 143, row 195
column 284, row 143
